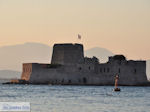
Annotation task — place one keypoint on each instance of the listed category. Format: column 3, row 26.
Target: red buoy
column 116, row 83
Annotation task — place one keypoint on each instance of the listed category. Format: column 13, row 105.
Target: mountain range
column 12, row 57
column 9, row 74
column 6, row 75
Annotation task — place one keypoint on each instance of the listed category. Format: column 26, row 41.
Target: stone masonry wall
column 90, row 74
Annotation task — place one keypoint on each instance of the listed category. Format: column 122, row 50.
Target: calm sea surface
column 46, row 98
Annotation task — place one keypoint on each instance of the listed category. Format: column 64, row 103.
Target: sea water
column 48, row 98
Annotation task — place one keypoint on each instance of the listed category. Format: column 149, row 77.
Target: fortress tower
column 67, row 54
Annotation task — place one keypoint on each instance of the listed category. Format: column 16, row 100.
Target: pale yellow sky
column 122, row 26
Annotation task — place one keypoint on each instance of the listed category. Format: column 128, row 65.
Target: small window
column 135, row 71
column 84, row 80
column 119, row 70
column 62, row 81
column 69, row 81
column 89, row 67
column 80, row 68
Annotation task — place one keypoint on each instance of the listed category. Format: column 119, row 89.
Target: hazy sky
column 122, row 26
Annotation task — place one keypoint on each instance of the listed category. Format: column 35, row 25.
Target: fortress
column 70, row 67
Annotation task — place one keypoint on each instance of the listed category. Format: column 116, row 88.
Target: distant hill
column 101, row 53
column 12, row 57
column 9, row 74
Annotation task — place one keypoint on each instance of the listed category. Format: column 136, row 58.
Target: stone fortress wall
column 70, row 67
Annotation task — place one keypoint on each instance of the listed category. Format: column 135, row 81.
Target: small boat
column 116, row 84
